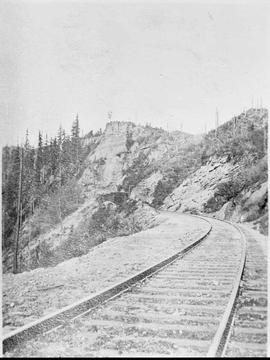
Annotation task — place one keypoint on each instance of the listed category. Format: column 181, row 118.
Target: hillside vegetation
column 77, row 192
column 231, row 181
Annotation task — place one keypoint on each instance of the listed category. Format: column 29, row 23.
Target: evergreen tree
column 54, row 156
column 75, row 130
column 46, row 153
column 68, row 167
column 10, row 165
column 38, row 169
column 28, row 184
column 76, row 144
column 60, row 136
column 39, row 160
column 45, row 172
column 19, row 214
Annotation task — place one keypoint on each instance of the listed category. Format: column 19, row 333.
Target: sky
column 170, row 63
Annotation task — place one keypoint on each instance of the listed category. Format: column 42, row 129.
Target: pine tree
column 54, row 156
column 6, row 203
column 67, row 162
column 38, row 169
column 19, row 215
column 28, row 184
column 39, row 160
column 9, row 194
column 46, row 153
column 76, row 144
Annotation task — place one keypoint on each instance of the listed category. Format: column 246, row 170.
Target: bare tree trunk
column 19, row 217
column 60, row 190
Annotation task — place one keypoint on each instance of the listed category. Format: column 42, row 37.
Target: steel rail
column 58, row 318
column 218, row 345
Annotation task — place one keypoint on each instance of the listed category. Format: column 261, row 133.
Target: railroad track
column 184, row 306
column 248, row 335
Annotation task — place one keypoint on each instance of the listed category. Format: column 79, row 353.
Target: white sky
column 162, row 63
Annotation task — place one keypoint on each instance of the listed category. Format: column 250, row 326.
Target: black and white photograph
column 134, row 159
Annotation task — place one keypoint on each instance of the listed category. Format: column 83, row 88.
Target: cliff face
column 144, row 191
column 250, row 206
column 121, row 146
column 197, row 189
column 104, row 166
column 200, row 193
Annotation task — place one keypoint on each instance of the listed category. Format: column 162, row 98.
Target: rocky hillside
column 132, row 170
column 118, row 172
column 128, row 154
column 232, row 182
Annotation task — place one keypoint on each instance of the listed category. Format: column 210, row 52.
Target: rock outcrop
column 199, row 193
column 144, row 191
column 251, row 205
column 104, row 166
column 123, row 143
column 197, row 189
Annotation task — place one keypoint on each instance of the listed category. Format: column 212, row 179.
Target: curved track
column 248, row 335
column 184, row 308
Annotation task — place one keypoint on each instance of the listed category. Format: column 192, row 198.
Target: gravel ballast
column 33, row 294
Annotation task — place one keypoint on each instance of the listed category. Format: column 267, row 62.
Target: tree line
column 29, row 174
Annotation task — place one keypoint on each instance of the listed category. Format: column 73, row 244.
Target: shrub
column 231, row 188
column 162, row 190
column 102, row 161
column 139, row 170
column 193, row 211
column 141, row 139
column 129, row 143
column 257, row 172
column 262, row 224
column 213, row 204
